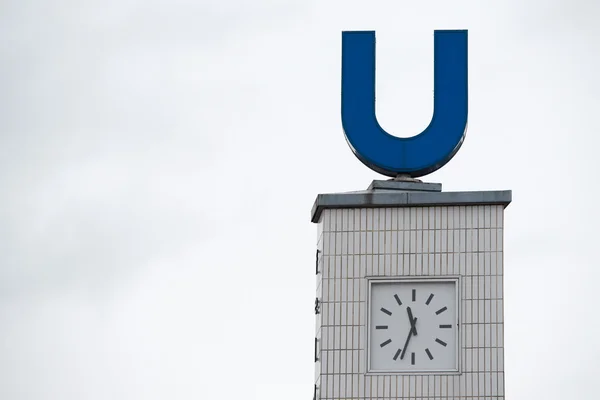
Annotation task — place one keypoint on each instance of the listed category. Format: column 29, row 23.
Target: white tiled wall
column 415, row 241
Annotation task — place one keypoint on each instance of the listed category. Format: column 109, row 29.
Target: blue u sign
column 436, row 145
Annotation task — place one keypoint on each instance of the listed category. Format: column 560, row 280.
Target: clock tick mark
column 429, row 299
column 429, row 354
column 441, row 310
column 381, row 327
column 397, row 354
column 446, row 326
column 385, row 343
column 412, row 358
column 441, row 342
column 386, row 311
column 398, row 300
column 414, row 295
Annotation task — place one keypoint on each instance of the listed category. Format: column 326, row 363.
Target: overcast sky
column 159, row 160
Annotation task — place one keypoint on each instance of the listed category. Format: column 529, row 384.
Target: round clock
column 413, row 325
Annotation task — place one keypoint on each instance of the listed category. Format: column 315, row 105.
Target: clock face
column 413, row 325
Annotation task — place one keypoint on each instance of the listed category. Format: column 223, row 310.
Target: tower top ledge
column 394, row 193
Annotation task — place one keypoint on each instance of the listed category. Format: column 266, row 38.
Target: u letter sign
column 436, row 145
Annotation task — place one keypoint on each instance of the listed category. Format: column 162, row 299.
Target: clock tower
column 410, row 295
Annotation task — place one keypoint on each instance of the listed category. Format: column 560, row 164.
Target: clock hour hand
column 413, row 321
column 410, row 333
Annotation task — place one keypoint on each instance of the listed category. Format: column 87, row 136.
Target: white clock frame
column 404, row 279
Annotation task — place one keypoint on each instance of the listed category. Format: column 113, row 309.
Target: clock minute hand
column 410, row 333
column 413, row 321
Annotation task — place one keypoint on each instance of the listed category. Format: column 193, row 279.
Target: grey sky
column 159, row 159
